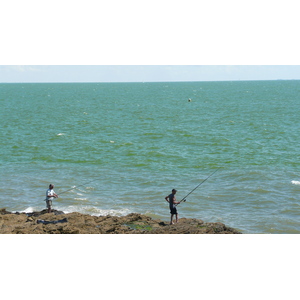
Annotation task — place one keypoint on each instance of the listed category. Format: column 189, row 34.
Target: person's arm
column 174, row 201
column 167, row 199
column 51, row 196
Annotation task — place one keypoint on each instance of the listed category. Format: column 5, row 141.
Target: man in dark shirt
column 172, row 201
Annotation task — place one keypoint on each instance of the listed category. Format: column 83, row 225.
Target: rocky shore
column 58, row 222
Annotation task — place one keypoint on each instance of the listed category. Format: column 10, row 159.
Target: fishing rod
column 184, row 198
column 74, row 187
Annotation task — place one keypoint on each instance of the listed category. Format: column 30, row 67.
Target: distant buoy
column 190, row 100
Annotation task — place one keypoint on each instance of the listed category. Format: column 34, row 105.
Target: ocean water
column 118, row 148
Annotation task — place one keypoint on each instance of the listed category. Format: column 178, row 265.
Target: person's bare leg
column 171, row 222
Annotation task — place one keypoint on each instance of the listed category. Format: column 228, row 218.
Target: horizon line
column 229, row 80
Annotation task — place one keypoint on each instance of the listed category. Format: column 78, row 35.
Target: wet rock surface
column 57, row 222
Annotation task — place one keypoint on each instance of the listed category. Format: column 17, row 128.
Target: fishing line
column 184, row 198
column 75, row 187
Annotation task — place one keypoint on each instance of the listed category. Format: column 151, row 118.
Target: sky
column 139, row 41
column 144, row 73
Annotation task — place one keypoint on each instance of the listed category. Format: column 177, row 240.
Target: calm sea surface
column 118, row 148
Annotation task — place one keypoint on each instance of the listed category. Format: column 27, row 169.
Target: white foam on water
column 94, row 211
column 295, row 182
column 89, row 188
column 81, row 199
column 28, row 210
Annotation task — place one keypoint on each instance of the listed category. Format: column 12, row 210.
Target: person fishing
column 172, row 201
column 50, row 194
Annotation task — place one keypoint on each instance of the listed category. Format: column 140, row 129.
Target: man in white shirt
column 50, row 194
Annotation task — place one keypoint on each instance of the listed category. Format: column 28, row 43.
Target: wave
column 295, row 182
column 90, row 210
column 28, row 210
column 94, row 211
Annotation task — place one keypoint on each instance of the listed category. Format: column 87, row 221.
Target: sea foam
column 296, row 182
column 94, row 211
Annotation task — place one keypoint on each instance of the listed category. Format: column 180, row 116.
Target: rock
column 44, row 211
column 76, row 223
column 50, row 222
column 4, row 212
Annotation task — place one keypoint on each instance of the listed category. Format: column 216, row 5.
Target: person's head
column 174, row 191
column 51, row 186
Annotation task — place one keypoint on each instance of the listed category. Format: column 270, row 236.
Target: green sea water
column 118, row 148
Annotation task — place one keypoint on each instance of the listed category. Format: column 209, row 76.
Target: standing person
column 50, row 194
column 172, row 201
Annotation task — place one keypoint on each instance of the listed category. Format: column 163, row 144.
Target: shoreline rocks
column 57, row 222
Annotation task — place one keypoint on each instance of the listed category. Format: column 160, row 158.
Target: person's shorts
column 48, row 203
column 173, row 211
